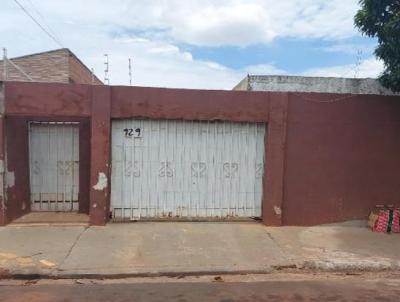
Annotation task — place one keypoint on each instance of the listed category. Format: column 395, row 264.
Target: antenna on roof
column 130, row 71
column 106, row 70
column 14, row 65
column 5, row 64
column 358, row 63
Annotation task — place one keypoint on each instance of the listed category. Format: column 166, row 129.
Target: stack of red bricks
column 385, row 219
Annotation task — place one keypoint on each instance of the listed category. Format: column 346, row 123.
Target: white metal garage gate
column 54, row 166
column 169, row 168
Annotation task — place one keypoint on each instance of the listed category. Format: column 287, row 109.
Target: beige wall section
column 57, row 66
column 243, row 85
column 79, row 73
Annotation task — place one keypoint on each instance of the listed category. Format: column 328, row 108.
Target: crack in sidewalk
column 292, row 260
column 72, row 247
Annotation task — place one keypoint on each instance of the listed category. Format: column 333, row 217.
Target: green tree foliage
column 381, row 19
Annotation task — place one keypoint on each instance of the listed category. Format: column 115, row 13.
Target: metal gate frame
column 209, row 213
column 74, row 205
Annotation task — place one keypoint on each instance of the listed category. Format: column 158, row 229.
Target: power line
column 43, row 19
column 38, row 23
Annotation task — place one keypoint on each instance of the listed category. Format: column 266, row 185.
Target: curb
column 343, row 266
column 307, row 267
column 49, row 224
column 32, row 276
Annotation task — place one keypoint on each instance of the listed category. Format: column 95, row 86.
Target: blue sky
column 291, row 55
column 209, row 44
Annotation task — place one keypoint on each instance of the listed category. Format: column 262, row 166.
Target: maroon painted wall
column 275, row 145
column 342, row 157
column 187, row 104
column 100, row 155
column 43, row 102
column 44, row 99
column 18, row 196
column 84, row 165
column 18, row 199
column 328, row 157
column 3, row 211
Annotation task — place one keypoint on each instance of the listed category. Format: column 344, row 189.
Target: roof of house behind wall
column 41, row 72
column 312, row 84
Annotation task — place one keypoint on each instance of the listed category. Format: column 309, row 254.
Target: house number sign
column 133, row 132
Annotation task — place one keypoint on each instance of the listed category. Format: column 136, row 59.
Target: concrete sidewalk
column 151, row 248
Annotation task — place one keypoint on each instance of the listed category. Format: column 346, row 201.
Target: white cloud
column 230, row 24
column 215, row 22
column 158, row 63
column 369, row 68
column 204, row 22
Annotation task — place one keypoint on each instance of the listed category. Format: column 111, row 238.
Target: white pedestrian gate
column 171, row 168
column 54, row 166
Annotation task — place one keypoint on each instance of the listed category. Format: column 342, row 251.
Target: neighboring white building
column 312, row 84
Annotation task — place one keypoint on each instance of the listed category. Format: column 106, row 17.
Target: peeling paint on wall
column 10, row 179
column 278, row 210
column 101, row 183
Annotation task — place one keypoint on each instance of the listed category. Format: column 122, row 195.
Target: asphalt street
column 215, row 289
